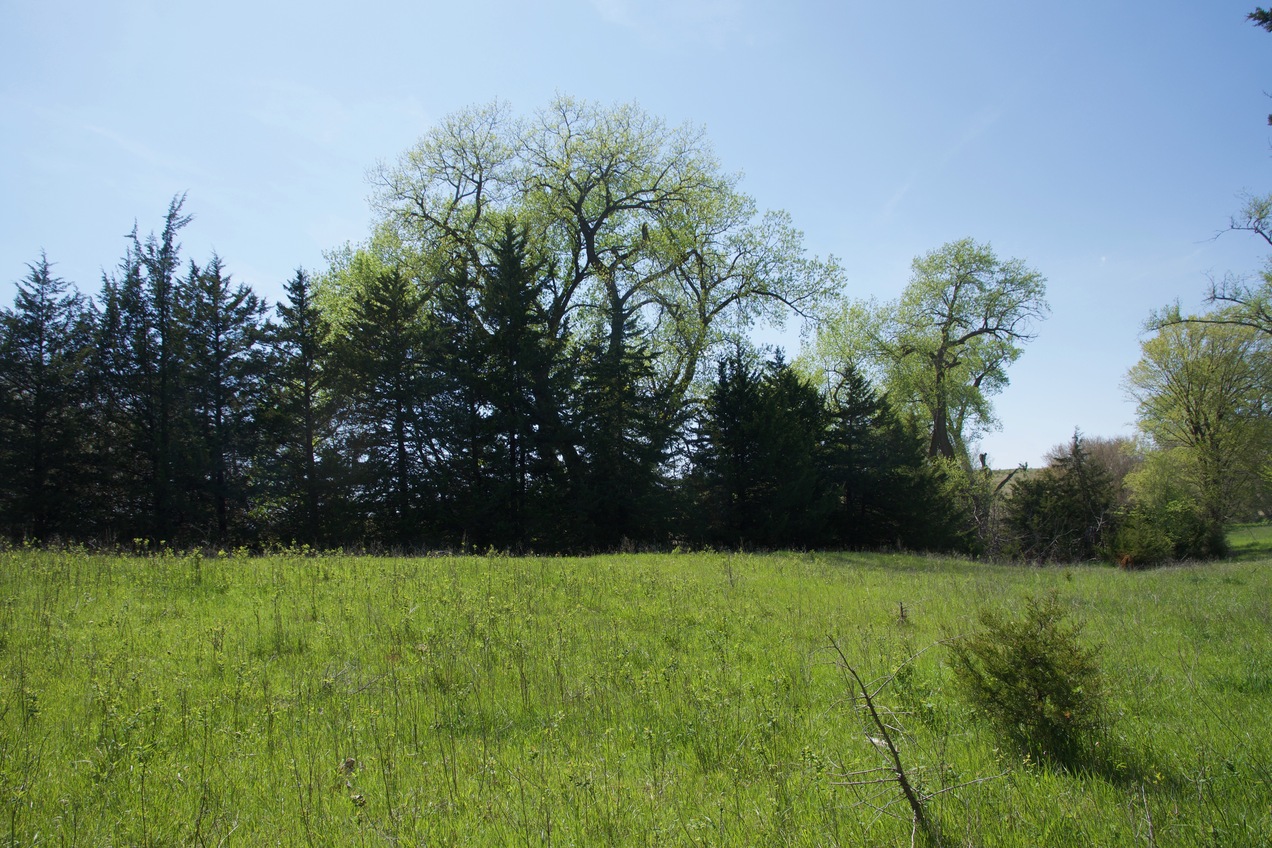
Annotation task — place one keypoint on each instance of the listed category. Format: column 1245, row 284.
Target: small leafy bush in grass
column 1033, row 679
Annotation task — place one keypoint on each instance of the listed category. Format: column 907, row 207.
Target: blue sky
column 1105, row 143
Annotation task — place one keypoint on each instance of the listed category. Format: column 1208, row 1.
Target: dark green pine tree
column 502, row 369
column 461, row 411
column 727, row 450
column 520, row 358
column 298, row 423
column 1064, row 512
column 624, row 431
column 758, row 462
column 888, row 492
column 45, row 394
column 224, row 359
column 113, row 507
column 386, row 386
column 140, row 353
column 792, row 431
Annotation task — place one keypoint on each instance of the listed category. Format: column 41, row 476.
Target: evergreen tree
column 222, row 374
column 458, row 348
column 499, row 363
column 794, row 428
column 624, row 429
column 44, row 407
column 727, row 451
column 140, row 350
column 760, row 457
column 1066, row 511
column 298, row 420
column 521, row 360
column 112, row 508
column 383, row 360
column 888, row 491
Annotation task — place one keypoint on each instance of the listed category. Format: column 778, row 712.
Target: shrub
column 1151, row 534
column 1064, row 512
column 1140, row 542
column 1033, row 679
column 1191, row 534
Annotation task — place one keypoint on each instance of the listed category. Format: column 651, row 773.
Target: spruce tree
column 500, row 367
column 726, row 451
column 222, row 373
column 297, row 450
column 45, row 341
column 520, row 356
column 758, row 457
column 458, row 349
column 624, row 429
column 140, row 353
column 888, row 492
column 385, row 383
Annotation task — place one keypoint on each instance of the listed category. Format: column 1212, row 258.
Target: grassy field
column 1251, row 541
column 677, row 699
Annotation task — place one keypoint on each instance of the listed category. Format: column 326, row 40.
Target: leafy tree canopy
column 631, row 218
column 942, row 349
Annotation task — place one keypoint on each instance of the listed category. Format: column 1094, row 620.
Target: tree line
column 544, row 345
column 175, row 407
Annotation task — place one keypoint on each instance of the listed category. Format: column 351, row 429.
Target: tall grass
column 679, row 699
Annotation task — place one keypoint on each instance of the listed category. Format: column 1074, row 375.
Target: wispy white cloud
column 325, row 121
column 976, row 127
column 617, row 12
column 300, row 109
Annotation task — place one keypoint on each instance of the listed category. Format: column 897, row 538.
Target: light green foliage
column 942, row 349
column 350, row 269
column 1200, row 392
column 676, row 699
column 1034, row 680
column 636, row 220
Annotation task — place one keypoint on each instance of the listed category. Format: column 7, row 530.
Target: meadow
column 646, row 699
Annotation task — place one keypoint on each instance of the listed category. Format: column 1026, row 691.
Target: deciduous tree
column 942, row 349
column 637, row 220
column 1201, row 398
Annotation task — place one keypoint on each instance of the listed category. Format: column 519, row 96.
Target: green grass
column 1251, row 540
column 678, row 699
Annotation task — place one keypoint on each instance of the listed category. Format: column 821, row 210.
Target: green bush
column 1064, row 512
column 1192, row 535
column 1140, row 542
column 1149, row 535
column 1033, row 679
